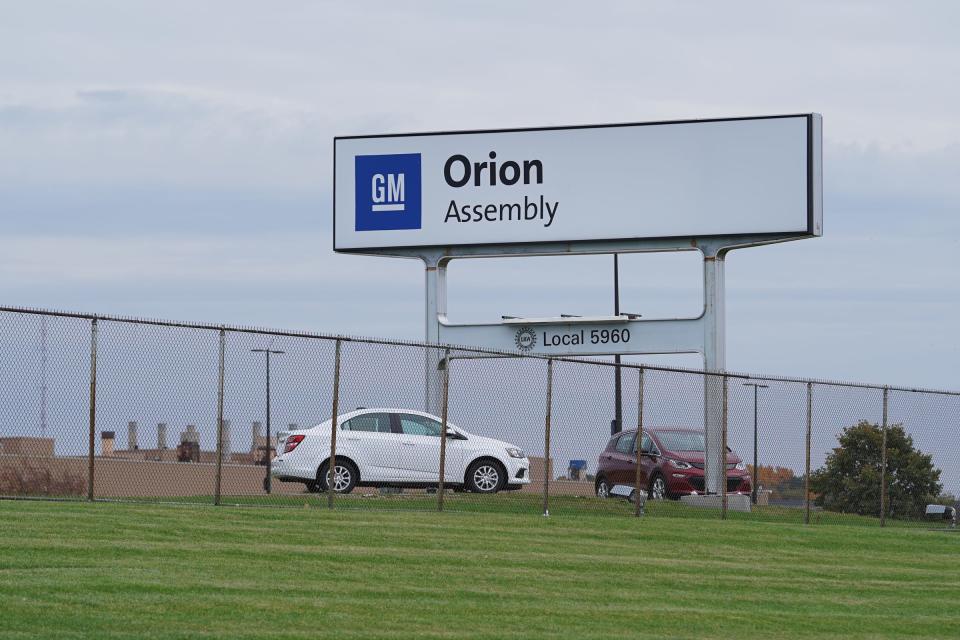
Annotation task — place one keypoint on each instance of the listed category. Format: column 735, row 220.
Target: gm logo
column 387, row 192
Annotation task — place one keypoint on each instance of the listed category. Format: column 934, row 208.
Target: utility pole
column 267, row 448
column 756, row 472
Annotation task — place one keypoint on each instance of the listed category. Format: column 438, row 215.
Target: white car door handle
column 409, row 444
column 353, row 439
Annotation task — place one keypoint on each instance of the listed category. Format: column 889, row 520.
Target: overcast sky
column 174, row 160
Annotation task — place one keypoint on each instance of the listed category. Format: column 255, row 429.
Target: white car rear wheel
column 345, row 476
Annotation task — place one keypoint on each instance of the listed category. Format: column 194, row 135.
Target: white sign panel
column 702, row 178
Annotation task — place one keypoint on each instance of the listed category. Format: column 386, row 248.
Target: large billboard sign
column 701, row 178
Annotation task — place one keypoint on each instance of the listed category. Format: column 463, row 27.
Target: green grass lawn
column 70, row 570
column 527, row 503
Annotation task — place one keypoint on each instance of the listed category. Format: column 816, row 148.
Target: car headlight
column 680, row 464
column 516, row 453
column 741, row 466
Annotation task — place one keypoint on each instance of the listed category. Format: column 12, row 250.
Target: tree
column 850, row 480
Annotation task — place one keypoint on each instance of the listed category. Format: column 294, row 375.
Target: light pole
column 267, row 448
column 618, row 391
column 756, row 471
column 617, row 425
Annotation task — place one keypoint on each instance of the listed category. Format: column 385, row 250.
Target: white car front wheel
column 485, row 476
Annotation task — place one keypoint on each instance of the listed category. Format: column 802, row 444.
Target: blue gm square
column 387, row 192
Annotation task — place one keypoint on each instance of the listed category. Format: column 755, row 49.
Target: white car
column 398, row 448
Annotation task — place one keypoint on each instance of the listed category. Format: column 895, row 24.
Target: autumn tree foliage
column 770, row 476
column 782, row 482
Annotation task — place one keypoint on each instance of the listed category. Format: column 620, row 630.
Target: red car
column 672, row 464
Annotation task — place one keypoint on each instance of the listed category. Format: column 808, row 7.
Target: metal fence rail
column 109, row 408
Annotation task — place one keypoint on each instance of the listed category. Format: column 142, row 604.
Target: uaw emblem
column 526, row 339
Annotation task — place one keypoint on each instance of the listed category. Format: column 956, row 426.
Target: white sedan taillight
column 292, row 443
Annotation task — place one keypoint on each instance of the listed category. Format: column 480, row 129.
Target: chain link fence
column 106, row 408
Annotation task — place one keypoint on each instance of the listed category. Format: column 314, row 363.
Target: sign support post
column 714, row 359
column 435, row 299
column 705, row 334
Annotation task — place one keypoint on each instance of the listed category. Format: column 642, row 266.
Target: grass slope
column 529, row 504
column 155, row 571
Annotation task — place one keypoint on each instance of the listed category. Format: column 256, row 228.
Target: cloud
column 175, row 161
column 253, row 259
column 211, row 96
column 164, row 136
column 893, row 178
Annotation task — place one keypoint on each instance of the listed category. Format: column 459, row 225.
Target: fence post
column 332, row 466
column 220, row 376
column 546, row 441
column 723, row 450
column 883, row 463
column 638, row 481
column 806, row 475
column 93, row 407
column 443, row 428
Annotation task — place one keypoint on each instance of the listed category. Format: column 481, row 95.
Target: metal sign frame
column 704, row 334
